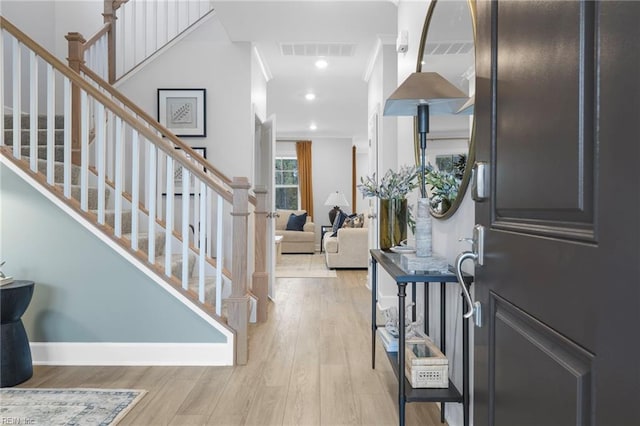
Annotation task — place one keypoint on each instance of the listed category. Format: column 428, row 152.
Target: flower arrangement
column 393, row 185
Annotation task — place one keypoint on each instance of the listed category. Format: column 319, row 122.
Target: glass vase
column 393, row 222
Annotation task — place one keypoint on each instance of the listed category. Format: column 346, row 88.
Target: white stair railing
column 144, row 26
column 136, row 29
column 137, row 162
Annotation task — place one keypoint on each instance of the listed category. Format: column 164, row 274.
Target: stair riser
column 209, row 290
column 42, row 121
column 58, row 172
column 92, row 196
column 176, row 267
column 110, row 219
column 25, row 137
column 58, row 152
column 143, row 244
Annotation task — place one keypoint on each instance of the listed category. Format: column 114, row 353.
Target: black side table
column 15, row 353
column 323, row 230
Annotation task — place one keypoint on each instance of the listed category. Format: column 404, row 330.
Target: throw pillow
column 296, row 222
column 358, row 221
column 337, row 223
column 350, row 221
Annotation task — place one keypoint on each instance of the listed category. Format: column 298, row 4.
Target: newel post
column 76, row 59
column 110, row 18
column 260, row 281
column 238, row 303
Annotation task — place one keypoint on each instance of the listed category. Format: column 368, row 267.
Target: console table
column 14, row 345
column 391, row 263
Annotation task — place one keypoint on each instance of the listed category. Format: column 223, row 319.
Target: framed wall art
column 183, row 111
column 177, row 172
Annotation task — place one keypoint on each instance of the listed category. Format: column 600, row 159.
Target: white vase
column 423, row 229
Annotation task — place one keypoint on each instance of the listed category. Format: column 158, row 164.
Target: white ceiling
column 340, row 109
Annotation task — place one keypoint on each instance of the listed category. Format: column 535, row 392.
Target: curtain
column 303, row 152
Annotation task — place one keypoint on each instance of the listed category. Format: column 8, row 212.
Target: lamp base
column 411, row 262
column 332, row 214
column 423, row 229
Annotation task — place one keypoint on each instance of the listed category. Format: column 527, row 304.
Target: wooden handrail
column 80, row 82
column 102, row 31
column 153, row 122
column 118, row 3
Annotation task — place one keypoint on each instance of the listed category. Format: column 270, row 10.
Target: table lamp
column 423, row 94
column 337, row 200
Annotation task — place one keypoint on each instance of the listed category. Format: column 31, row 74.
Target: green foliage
column 393, row 185
column 443, row 187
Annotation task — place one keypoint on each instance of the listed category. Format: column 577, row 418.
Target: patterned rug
column 53, row 407
column 303, row 266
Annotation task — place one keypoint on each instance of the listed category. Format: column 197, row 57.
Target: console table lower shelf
column 450, row 394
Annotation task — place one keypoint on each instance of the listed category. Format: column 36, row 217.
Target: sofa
column 303, row 241
column 348, row 249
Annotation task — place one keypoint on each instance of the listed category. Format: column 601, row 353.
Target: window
column 287, row 183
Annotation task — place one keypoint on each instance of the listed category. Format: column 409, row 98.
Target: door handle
column 477, row 255
column 459, row 261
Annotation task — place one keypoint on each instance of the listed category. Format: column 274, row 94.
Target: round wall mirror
column 447, row 46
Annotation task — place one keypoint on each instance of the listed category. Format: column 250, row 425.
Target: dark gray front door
column 558, row 120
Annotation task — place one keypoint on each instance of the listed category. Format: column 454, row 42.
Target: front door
column 558, row 122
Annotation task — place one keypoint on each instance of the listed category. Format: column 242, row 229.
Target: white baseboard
column 183, row 354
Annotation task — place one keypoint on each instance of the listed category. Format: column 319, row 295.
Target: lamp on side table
column 337, row 200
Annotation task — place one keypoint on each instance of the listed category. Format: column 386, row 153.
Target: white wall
column 207, row 59
column 331, row 172
column 47, row 22
column 258, row 87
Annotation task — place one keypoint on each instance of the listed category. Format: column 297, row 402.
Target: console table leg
column 402, row 293
column 414, row 305
column 426, row 310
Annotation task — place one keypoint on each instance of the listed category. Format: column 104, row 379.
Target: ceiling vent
column 448, row 48
column 318, row 49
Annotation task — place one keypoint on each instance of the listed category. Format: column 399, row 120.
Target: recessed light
column 310, row 96
column 313, row 126
column 321, row 64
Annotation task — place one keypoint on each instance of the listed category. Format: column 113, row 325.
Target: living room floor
column 309, row 364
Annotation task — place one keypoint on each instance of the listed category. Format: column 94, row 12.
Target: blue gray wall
column 85, row 291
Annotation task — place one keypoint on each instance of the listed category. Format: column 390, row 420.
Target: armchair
column 348, row 249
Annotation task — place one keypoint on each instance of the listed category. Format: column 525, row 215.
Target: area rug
column 53, row 407
column 303, row 266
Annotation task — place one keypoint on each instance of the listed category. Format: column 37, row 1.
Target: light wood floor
column 309, row 364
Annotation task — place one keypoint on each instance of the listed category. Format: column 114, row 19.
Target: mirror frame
column 471, row 154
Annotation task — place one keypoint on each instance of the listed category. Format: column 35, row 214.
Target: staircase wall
column 47, row 22
column 205, row 58
column 90, row 305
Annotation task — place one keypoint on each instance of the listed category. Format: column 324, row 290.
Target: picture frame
column 183, row 111
column 177, row 172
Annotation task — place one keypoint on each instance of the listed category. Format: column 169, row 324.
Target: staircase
column 113, row 164
column 92, row 190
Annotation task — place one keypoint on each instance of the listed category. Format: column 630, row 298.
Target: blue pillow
column 337, row 223
column 296, row 223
